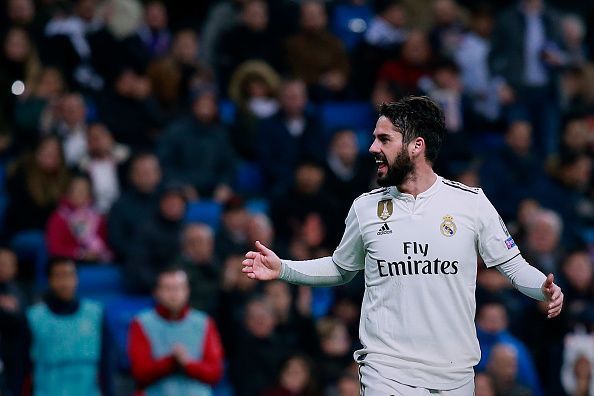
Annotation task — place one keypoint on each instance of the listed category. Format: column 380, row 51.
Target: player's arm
column 533, row 283
column 348, row 258
column 498, row 249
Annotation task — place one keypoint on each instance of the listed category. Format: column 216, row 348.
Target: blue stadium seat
column 352, row 115
column 208, row 212
column 350, row 22
column 100, row 282
column 119, row 313
column 248, row 179
column 256, row 206
column 227, row 111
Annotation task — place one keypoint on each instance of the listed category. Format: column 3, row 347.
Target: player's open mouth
column 382, row 165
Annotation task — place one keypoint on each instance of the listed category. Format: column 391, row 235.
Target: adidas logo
column 384, row 230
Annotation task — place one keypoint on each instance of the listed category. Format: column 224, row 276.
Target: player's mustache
column 381, row 158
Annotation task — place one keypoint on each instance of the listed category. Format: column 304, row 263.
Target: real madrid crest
column 385, row 208
column 447, row 226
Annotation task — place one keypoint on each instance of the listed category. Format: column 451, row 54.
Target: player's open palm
column 262, row 265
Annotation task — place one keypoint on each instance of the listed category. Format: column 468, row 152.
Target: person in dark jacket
column 195, row 150
column 138, row 202
column 287, row 137
column 202, row 267
column 510, row 174
column 249, row 40
column 12, row 323
column 68, row 339
column 525, row 58
column 158, row 241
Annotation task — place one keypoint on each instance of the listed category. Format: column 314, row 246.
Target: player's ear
column 418, row 145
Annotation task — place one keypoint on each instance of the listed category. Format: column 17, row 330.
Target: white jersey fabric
column 420, row 261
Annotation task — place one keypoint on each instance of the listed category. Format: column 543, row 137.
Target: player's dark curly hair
column 417, row 116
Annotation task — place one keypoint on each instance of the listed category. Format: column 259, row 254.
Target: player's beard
column 401, row 168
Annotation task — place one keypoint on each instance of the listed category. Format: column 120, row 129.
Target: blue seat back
column 205, row 211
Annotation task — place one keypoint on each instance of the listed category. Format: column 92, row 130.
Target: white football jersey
column 420, row 261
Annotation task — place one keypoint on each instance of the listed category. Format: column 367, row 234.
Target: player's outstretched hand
column 553, row 297
column 262, row 265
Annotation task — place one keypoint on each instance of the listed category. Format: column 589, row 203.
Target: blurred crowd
column 156, row 141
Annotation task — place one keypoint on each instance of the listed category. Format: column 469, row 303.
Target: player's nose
column 374, row 149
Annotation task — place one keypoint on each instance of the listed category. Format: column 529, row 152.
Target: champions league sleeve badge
column 447, row 226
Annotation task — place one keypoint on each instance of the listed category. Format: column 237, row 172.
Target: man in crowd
column 174, row 350
column 68, row 339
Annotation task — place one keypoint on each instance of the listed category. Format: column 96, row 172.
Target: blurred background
column 136, row 135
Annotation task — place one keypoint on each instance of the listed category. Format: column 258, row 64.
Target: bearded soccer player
column 417, row 239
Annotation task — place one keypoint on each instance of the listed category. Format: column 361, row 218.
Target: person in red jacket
column 173, row 349
column 76, row 229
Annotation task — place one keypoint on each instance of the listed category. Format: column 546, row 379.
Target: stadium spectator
column 575, row 137
column 69, row 339
column 527, row 68
column 70, row 125
column 235, row 292
column 18, row 62
column 251, row 39
column 35, row 184
column 335, row 345
column 67, row 44
column 316, row 55
column 573, row 33
column 448, row 27
column 348, row 385
column 202, row 267
column 254, row 90
column 503, row 368
column 483, row 385
column 103, row 163
column 578, row 277
column 35, row 112
column 259, row 342
column 294, row 321
column 567, row 194
column 157, row 243
column 297, row 377
column 388, row 28
column 387, row 32
column 260, row 228
column 191, row 149
column 20, row 13
column 173, row 348
column 446, row 89
column 137, row 202
column 222, row 17
column 412, row 64
column 231, row 238
column 154, row 33
column 542, row 240
column 472, row 56
column 12, row 324
column 76, row 229
column 577, row 372
column 288, row 136
column 173, row 76
column 129, row 110
column 512, row 173
column 492, row 329
column 306, row 214
column 348, row 173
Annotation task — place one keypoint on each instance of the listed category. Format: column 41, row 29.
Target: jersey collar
column 427, row 193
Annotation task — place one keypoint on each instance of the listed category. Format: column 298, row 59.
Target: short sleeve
column 350, row 253
column 495, row 244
